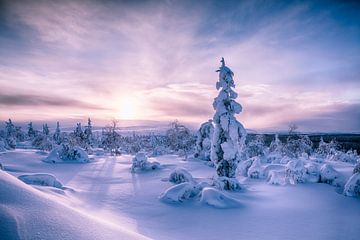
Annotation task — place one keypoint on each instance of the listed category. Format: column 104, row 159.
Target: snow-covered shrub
column 352, row 186
column 276, row 146
column 256, row 147
column 2, row 145
column 180, row 138
column 256, row 170
column 203, row 141
column 180, row 175
column 225, row 183
column 218, row 199
column 67, row 153
column 41, row 179
column 327, row 149
column 328, row 174
column 276, row 177
column 229, row 134
column 42, row 142
column 295, row 172
column 272, row 167
column 296, row 146
column 244, row 166
column 179, row 193
column 110, row 139
column 140, row 163
column 357, row 168
column 312, row 172
column 1, row 167
column 350, row 156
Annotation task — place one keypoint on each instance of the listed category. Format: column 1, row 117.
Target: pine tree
column 57, row 134
column 229, row 134
column 31, row 132
column 88, row 133
column 203, row 140
column 46, row 129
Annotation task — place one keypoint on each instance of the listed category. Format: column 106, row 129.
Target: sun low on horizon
column 293, row 62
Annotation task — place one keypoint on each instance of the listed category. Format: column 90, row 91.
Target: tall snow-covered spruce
column 229, row 134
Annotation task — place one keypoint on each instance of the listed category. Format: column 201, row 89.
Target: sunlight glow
column 127, row 108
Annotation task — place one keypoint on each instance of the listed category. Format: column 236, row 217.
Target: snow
column 179, row 193
column 67, row 154
column 41, row 179
column 180, row 175
column 140, row 163
column 109, row 202
column 218, row 199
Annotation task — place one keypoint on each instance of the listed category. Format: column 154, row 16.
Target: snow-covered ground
column 103, row 199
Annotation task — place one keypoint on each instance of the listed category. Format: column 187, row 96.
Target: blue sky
column 294, row 61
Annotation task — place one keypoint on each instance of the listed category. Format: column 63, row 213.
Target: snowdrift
column 27, row 213
column 41, row 179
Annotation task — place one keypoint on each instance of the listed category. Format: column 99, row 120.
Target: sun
column 127, row 109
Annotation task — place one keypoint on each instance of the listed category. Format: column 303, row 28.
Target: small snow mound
column 295, row 171
column 41, row 179
column 352, row 186
column 180, row 175
column 215, row 198
column 256, row 170
column 225, row 183
column 179, row 193
column 328, row 174
column 312, row 172
column 276, row 177
column 67, row 154
column 140, row 163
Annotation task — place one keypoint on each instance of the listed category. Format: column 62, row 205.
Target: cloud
column 27, row 100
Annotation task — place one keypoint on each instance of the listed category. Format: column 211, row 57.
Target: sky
column 155, row 61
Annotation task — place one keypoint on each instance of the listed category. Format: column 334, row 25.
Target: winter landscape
column 179, row 120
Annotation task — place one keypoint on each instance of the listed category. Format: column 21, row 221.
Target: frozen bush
column 272, row 167
column 276, row 177
column 42, row 142
column 225, row 183
column 215, row 198
column 256, row 170
column 41, row 179
column 352, row 186
column 179, row 193
column 327, row 149
column 180, row 175
column 276, row 146
column 350, row 156
column 295, row 171
column 296, row 146
column 203, row 140
column 66, row 153
column 244, row 166
column 312, row 172
column 140, row 163
column 256, row 147
column 328, row 174
column 357, row 168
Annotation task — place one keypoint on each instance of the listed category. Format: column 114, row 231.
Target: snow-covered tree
column 46, row 130
column 256, row 147
column 10, row 135
column 31, row 132
column 57, row 134
column 111, row 139
column 180, row 138
column 276, row 146
column 88, row 133
column 203, row 140
column 229, row 134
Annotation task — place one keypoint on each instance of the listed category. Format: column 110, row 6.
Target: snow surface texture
column 67, row 154
column 140, row 163
column 41, row 179
column 108, row 198
column 22, row 204
column 229, row 134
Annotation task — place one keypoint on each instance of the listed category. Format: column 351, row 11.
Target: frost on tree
column 203, row 140
column 229, row 134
